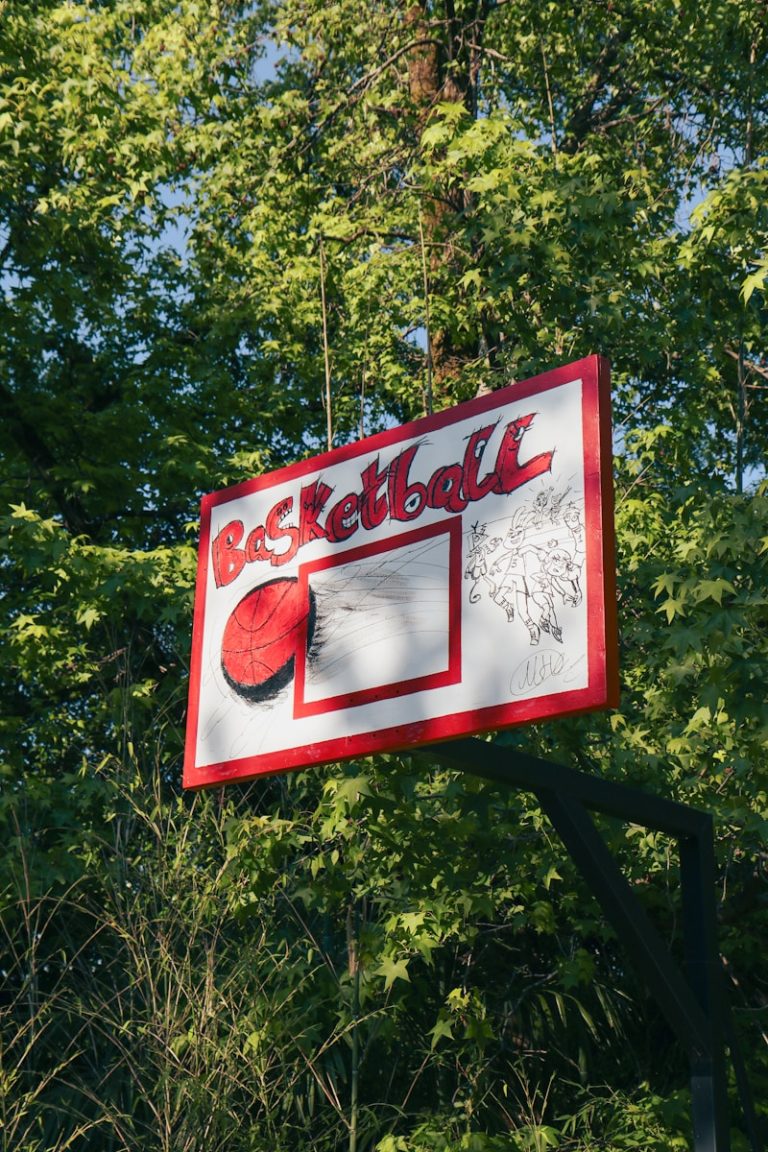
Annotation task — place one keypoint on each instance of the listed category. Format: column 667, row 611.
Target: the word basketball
column 262, row 635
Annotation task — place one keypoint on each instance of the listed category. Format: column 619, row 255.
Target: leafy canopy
column 230, row 232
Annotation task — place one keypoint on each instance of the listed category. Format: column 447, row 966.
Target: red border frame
column 602, row 689
column 449, row 675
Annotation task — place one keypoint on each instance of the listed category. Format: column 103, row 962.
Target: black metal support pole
column 708, row 1076
column 742, row 1083
column 692, row 1002
column 626, row 914
column 518, row 769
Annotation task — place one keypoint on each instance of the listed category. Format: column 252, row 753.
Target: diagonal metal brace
column 691, row 1002
column 627, row 915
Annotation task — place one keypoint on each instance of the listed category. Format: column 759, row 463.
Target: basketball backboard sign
column 442, row 578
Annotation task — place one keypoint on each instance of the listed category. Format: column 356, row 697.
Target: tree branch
column 750, row 364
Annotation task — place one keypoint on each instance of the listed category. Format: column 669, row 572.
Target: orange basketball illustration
column 262, row 635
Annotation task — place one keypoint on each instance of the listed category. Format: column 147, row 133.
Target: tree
column 232, row 233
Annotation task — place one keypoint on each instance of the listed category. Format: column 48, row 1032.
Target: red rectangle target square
column 438, row 579
column 402, row 598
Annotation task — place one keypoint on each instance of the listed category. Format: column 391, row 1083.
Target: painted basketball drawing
column 261, row 636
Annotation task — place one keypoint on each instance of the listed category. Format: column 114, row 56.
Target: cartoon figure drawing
column 557, row 504
column 574, row 525
column 513, row 590
column 477, row 566
column 528, row 575
column 541, row 507
column 557, row 575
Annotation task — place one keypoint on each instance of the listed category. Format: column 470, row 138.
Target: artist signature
column 539, row 667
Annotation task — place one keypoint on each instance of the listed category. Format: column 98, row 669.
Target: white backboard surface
column 442, row 578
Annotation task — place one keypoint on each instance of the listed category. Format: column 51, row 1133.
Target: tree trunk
column 441, row 69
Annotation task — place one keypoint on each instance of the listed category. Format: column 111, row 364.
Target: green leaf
column 442, row 1029
column 392, row 969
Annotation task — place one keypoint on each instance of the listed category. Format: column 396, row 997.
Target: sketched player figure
column 558, row 575
column 513, row 590
column 540, row 506
column 556, row 505
column 477, row 565
column 574, row 525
